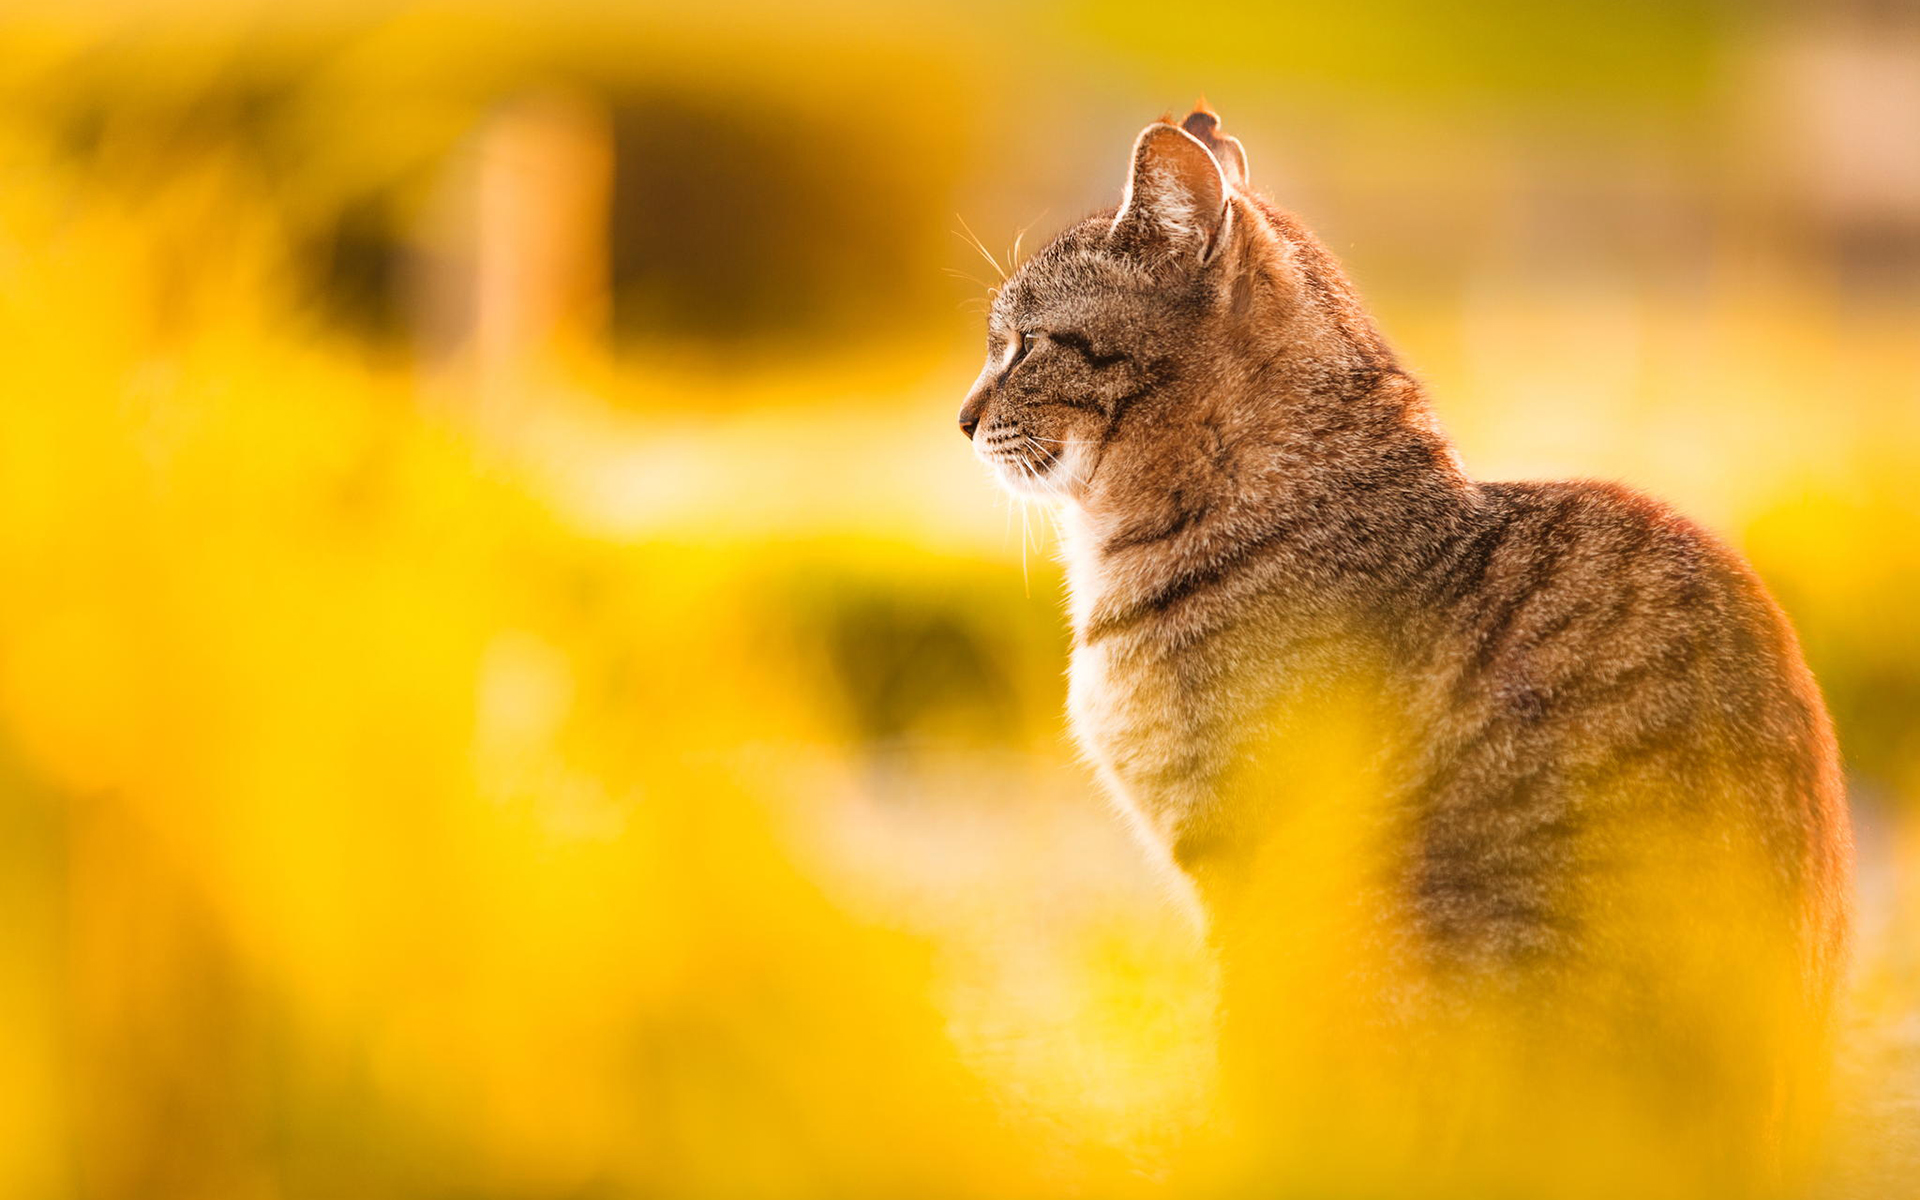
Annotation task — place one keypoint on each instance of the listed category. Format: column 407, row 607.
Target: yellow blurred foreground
column 503, row 768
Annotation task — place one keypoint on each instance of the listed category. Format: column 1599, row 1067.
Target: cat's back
column 1591, row 598
column 1595, row 665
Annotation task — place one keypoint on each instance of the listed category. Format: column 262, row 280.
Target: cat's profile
column 1422, row 743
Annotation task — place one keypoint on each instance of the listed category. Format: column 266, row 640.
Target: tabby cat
column 1421, row 743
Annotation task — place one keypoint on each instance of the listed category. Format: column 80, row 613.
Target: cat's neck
column 1344, row 509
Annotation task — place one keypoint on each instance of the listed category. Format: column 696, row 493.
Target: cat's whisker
column 973, row 239
column 1020, row 236
column 970, row 277
column 1052, row 457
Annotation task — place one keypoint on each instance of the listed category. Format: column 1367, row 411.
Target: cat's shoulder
column 1600, row 523
column 1586, row 506
column 1586, row 545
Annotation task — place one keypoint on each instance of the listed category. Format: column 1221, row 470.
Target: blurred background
column 512, row 686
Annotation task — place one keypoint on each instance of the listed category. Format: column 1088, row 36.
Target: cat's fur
column 1264, row 524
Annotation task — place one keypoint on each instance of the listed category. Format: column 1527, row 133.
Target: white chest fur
column 1128, row 714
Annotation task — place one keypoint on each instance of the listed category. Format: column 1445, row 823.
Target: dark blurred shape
column 735, row 223
column 958, row 664
column 356, row 266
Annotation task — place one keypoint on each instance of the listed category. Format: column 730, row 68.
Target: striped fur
column 1262, row 517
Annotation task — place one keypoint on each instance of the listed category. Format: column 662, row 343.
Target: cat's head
column 1142, row 320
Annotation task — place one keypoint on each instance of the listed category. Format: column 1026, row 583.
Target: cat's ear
column 1176, row 196
column 1204, row 125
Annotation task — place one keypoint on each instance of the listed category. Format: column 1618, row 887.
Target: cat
column 1549, row 743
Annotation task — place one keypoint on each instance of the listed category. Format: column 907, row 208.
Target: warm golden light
column 510, row 684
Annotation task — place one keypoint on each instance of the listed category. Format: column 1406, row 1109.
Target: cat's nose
column 970, row 413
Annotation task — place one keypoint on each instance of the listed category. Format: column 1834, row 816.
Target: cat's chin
column 1029, row 487
column 1058, row 483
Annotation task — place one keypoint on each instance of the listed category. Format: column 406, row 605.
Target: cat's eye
column 1021, row 343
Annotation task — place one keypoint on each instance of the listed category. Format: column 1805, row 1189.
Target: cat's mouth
column 1029, row 465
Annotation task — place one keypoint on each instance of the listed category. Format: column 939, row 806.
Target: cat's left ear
column 1176, row 196
column 1204, row 124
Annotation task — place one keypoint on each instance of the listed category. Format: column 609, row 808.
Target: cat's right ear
column 1176, row 201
